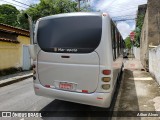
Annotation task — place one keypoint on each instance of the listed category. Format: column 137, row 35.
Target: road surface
column 20, row 97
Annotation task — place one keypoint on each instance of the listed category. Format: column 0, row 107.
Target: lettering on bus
column 65, row 50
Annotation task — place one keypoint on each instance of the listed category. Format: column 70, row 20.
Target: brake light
column 106, row 72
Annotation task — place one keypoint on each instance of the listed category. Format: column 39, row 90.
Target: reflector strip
column 85, row 91
column 36, row 88
column 48, row 86
column 99, row 98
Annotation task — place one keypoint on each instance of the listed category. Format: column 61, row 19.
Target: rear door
column 68, row 51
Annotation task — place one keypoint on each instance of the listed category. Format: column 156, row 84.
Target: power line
column 123, row 16
column 119, row 10
column 111, row 3
column 13, row 4
column 21, row 3
column 124, row 20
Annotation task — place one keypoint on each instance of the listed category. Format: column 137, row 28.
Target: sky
column 117, row 9
column 120, row 10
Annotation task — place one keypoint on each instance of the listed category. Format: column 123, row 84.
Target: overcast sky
column 117, row 9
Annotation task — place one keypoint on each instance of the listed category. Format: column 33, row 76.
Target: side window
column 113, row 42
column 116, row 42
column 120, row 43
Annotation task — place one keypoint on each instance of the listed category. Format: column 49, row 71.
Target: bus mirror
column 32, row 51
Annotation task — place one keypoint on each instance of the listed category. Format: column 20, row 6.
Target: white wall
column 154, row 63
column 136, row 52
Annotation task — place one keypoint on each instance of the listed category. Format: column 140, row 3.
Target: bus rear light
column 106, row 72
column 105, row 86
column 106, row 79
column 85, row 91
column 48, row 86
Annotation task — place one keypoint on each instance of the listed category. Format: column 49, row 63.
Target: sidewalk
column 138, row 91
column 10, row 79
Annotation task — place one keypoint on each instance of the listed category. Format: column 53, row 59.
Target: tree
column 128, row 43
column 140, row 20
column 8, row 14
column 46, row 8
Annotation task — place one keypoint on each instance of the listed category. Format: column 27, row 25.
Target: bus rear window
column 73, row 34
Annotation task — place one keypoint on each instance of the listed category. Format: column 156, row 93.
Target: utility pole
column 79, row 4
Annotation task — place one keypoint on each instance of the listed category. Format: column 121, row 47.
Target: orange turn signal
column 106, row 79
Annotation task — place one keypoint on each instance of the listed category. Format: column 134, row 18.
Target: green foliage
column 140, row 20
column 46, row 8
column 8, row 14
column 128, row 43
column 11, row 16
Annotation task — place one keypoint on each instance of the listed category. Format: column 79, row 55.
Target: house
column 13, row 48
column 150, row 33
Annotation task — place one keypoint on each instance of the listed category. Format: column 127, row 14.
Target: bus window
column 80, row 34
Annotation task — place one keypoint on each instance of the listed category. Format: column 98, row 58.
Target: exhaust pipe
column 30, row 27
column 32, row 46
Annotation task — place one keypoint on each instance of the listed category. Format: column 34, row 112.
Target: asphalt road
column 20, row 97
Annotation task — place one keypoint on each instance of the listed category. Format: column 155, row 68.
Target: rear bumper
column 94, row 99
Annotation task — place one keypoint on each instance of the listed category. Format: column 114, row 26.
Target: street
column 20, row 97
column 135, row 91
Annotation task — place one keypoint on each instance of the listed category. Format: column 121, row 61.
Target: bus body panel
column 82, row 70
column 94, row 99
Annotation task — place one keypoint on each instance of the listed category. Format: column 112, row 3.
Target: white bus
column 77, row 58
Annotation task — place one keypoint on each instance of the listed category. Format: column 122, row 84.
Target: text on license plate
column 66, row 86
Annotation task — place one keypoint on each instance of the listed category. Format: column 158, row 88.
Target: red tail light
column 106, row 72
column 48, row 86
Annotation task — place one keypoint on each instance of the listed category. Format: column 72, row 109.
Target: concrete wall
column 136, row 52
column 11, row 53
column 154, row 63
column 154, row 22
column 150, row 34
column 144, row 42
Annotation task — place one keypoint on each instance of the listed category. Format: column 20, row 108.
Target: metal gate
column 26, row 58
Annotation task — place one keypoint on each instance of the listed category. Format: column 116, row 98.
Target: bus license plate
column 66, row 86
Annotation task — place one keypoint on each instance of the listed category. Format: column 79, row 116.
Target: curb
column 14, row 80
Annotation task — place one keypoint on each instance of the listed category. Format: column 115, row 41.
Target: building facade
column 150, row 33
column 13, row 48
